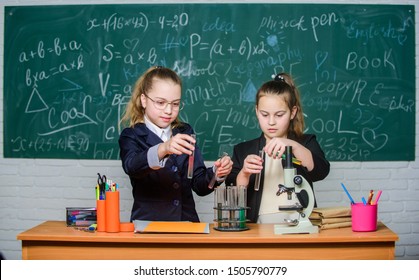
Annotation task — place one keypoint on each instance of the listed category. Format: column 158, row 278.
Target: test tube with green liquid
column 232, row 206
column 242, row 202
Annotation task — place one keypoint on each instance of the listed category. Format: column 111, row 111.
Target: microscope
column 293, row 185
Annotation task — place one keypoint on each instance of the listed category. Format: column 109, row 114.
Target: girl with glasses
column 155, row 148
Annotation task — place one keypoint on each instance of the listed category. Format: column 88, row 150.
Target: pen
column 191, row 161
column 92, row 227
column 364, row 201
column 102, row 193
column 109, row 184
column 97, row 192
column 377, row 198
column 370, row 196
column 347, row 193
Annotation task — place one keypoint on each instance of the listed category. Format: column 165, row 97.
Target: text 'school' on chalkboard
column 69, row 71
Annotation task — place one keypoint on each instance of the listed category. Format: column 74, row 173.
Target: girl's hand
column 223, row 166
column 252, row 164
column 178, row 145
column 276, row 147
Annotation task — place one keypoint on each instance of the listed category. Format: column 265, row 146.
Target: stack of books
column 331, row 217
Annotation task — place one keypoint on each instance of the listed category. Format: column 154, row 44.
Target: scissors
column 101, row 181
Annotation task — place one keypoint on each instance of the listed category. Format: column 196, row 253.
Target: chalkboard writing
column 69, row 70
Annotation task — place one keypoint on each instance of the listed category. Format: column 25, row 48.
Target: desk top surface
column 257, row 233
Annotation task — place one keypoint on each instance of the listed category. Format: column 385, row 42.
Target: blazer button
column 176, row 202
column 176, row 186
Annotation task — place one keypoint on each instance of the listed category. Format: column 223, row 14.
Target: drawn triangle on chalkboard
column 76, row 86
column 36, row 103
column 249, row 92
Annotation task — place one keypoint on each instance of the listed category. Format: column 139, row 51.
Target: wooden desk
column 53, row 240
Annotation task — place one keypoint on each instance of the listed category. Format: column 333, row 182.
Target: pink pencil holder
column 364, row 217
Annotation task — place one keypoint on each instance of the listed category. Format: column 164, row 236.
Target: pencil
column 370, row 195
column 377, row 198
column 347, row 193
column 364, row 201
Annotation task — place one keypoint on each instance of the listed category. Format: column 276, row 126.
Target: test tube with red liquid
column 191, row 161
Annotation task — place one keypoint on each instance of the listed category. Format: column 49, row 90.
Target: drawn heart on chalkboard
column 320, row 58
column 183, row 41
column 377, row 142
column 130, row 44
column 103, row 115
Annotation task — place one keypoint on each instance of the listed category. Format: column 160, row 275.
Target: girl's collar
column 157, row 130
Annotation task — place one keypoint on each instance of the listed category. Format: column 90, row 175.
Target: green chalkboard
column 69, row 70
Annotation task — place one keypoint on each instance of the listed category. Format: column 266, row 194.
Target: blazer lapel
column 146, row 135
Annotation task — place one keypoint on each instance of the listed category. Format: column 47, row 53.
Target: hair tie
column 278, row 78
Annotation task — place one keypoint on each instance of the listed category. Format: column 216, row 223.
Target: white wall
column 35, row 190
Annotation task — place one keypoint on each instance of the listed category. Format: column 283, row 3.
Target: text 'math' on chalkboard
column 69, row 70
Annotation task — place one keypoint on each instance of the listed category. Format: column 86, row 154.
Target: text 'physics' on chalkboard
column 69, row 70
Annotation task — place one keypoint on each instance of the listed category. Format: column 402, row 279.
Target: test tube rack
column 230, row 208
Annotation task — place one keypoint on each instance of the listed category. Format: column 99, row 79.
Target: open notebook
column 141, row 226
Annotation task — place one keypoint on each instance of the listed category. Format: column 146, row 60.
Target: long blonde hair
column 283, row 85
column 134, row 111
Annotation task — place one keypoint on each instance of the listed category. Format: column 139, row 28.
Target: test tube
column 217, row 207
column 258, row 175
column 242, row 201
column 191, row 161
column 214, row 178
column 232, row 204
column 220, row 203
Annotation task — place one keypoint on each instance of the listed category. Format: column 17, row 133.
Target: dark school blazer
column 242, row 150
column 164, row 194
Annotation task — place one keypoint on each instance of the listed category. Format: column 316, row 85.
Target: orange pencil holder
column 101, row 215
column 112, row 212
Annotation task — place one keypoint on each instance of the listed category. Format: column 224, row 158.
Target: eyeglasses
column 161, row 104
